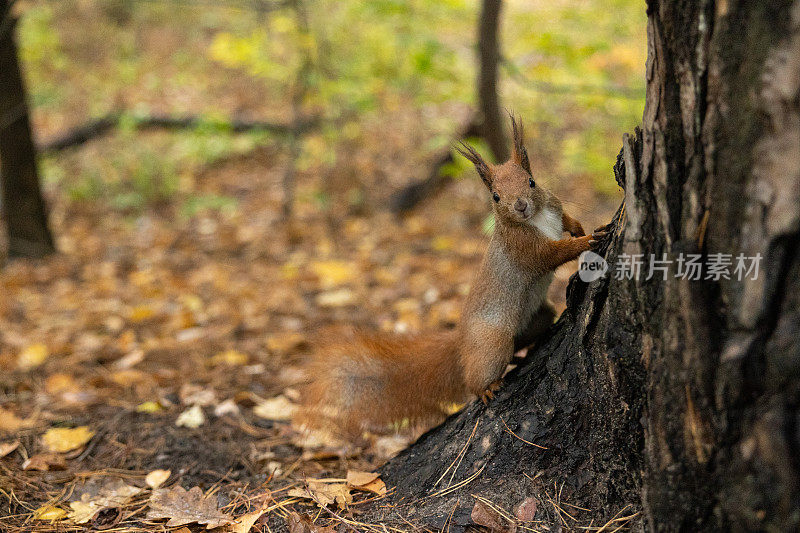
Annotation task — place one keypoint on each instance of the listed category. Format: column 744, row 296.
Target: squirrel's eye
column 496, row 197
column 531, row 183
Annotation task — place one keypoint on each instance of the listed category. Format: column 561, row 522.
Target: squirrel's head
column 516, row 197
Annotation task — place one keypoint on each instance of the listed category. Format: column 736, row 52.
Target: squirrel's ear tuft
column 475, row 158
column 519, row 154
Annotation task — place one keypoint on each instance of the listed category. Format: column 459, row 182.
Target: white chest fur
column 549, row 223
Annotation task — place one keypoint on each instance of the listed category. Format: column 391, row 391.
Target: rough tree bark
column 22, row 204
column 664, row 404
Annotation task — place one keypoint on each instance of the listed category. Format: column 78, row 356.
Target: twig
column 99, row 127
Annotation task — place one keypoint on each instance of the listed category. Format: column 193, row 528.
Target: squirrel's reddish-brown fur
column 363, row 379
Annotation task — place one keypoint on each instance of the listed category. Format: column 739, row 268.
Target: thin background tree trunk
column 666, row 405
column 492, row 120
column 22, row 205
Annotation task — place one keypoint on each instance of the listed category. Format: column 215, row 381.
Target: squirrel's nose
column 520, row 205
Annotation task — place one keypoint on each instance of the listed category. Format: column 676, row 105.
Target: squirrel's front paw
column 596, row 238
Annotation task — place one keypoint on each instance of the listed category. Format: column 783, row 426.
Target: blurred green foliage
column 565, row 60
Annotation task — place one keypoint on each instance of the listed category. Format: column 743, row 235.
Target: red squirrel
column 368, row 379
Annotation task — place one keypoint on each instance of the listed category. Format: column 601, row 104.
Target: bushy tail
column 365, row 380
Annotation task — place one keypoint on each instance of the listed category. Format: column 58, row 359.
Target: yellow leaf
column 193, row 417
column 156, row 478
column 140, row 313
column 149, row 407
column 337, row 298
column 32, row 356
column 49, row 512
column 333, row 273
column 442, row 243
column 62, row 440
column 230, row 358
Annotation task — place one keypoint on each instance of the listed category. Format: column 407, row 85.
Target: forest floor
column 161, row 348
column 177, row 343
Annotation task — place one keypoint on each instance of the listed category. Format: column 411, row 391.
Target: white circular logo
column 591, row 266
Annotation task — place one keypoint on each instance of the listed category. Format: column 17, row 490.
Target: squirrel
column 374, row 378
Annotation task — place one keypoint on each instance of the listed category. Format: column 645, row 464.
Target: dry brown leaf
column 526, row 510
column 62, row 440
column 156, row 478
column 45, row 461
column 183, row 507
column 245, row 523
column 366, row 481
column 324, row 493
column 11, row 423
column 303, row 524
column 8, row 447
column 357, row 478
column 98, row 495
column 484, row 515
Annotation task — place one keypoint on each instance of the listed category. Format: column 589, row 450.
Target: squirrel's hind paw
column 488, row 394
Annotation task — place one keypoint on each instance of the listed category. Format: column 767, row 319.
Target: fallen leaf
column 183, row 507
column 324, row 493
column 8, row 447
column 44, row 462
column 61, row 440
column 193, row 417
column 149, row 407
column 245, row 523
column 333, row 273
column 32, row 356
column 230, row 358
column 11, row 423
column 49, row 512
column 156, row 478
column 228, row 407
column 483, row 515
column 81, row 512
column 140, row 313
column 366, row 481
column 97, row 496
column 303, row 524
column 277, row 408
column 526, row 510
column 337, row 298
column 356, row 479
column 191, row 394
column 57, row 383
column 133, row 358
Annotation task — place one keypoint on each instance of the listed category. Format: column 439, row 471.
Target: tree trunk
column 22, row 205
column 663, row 404
column 492, row 119
column 486, row 123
